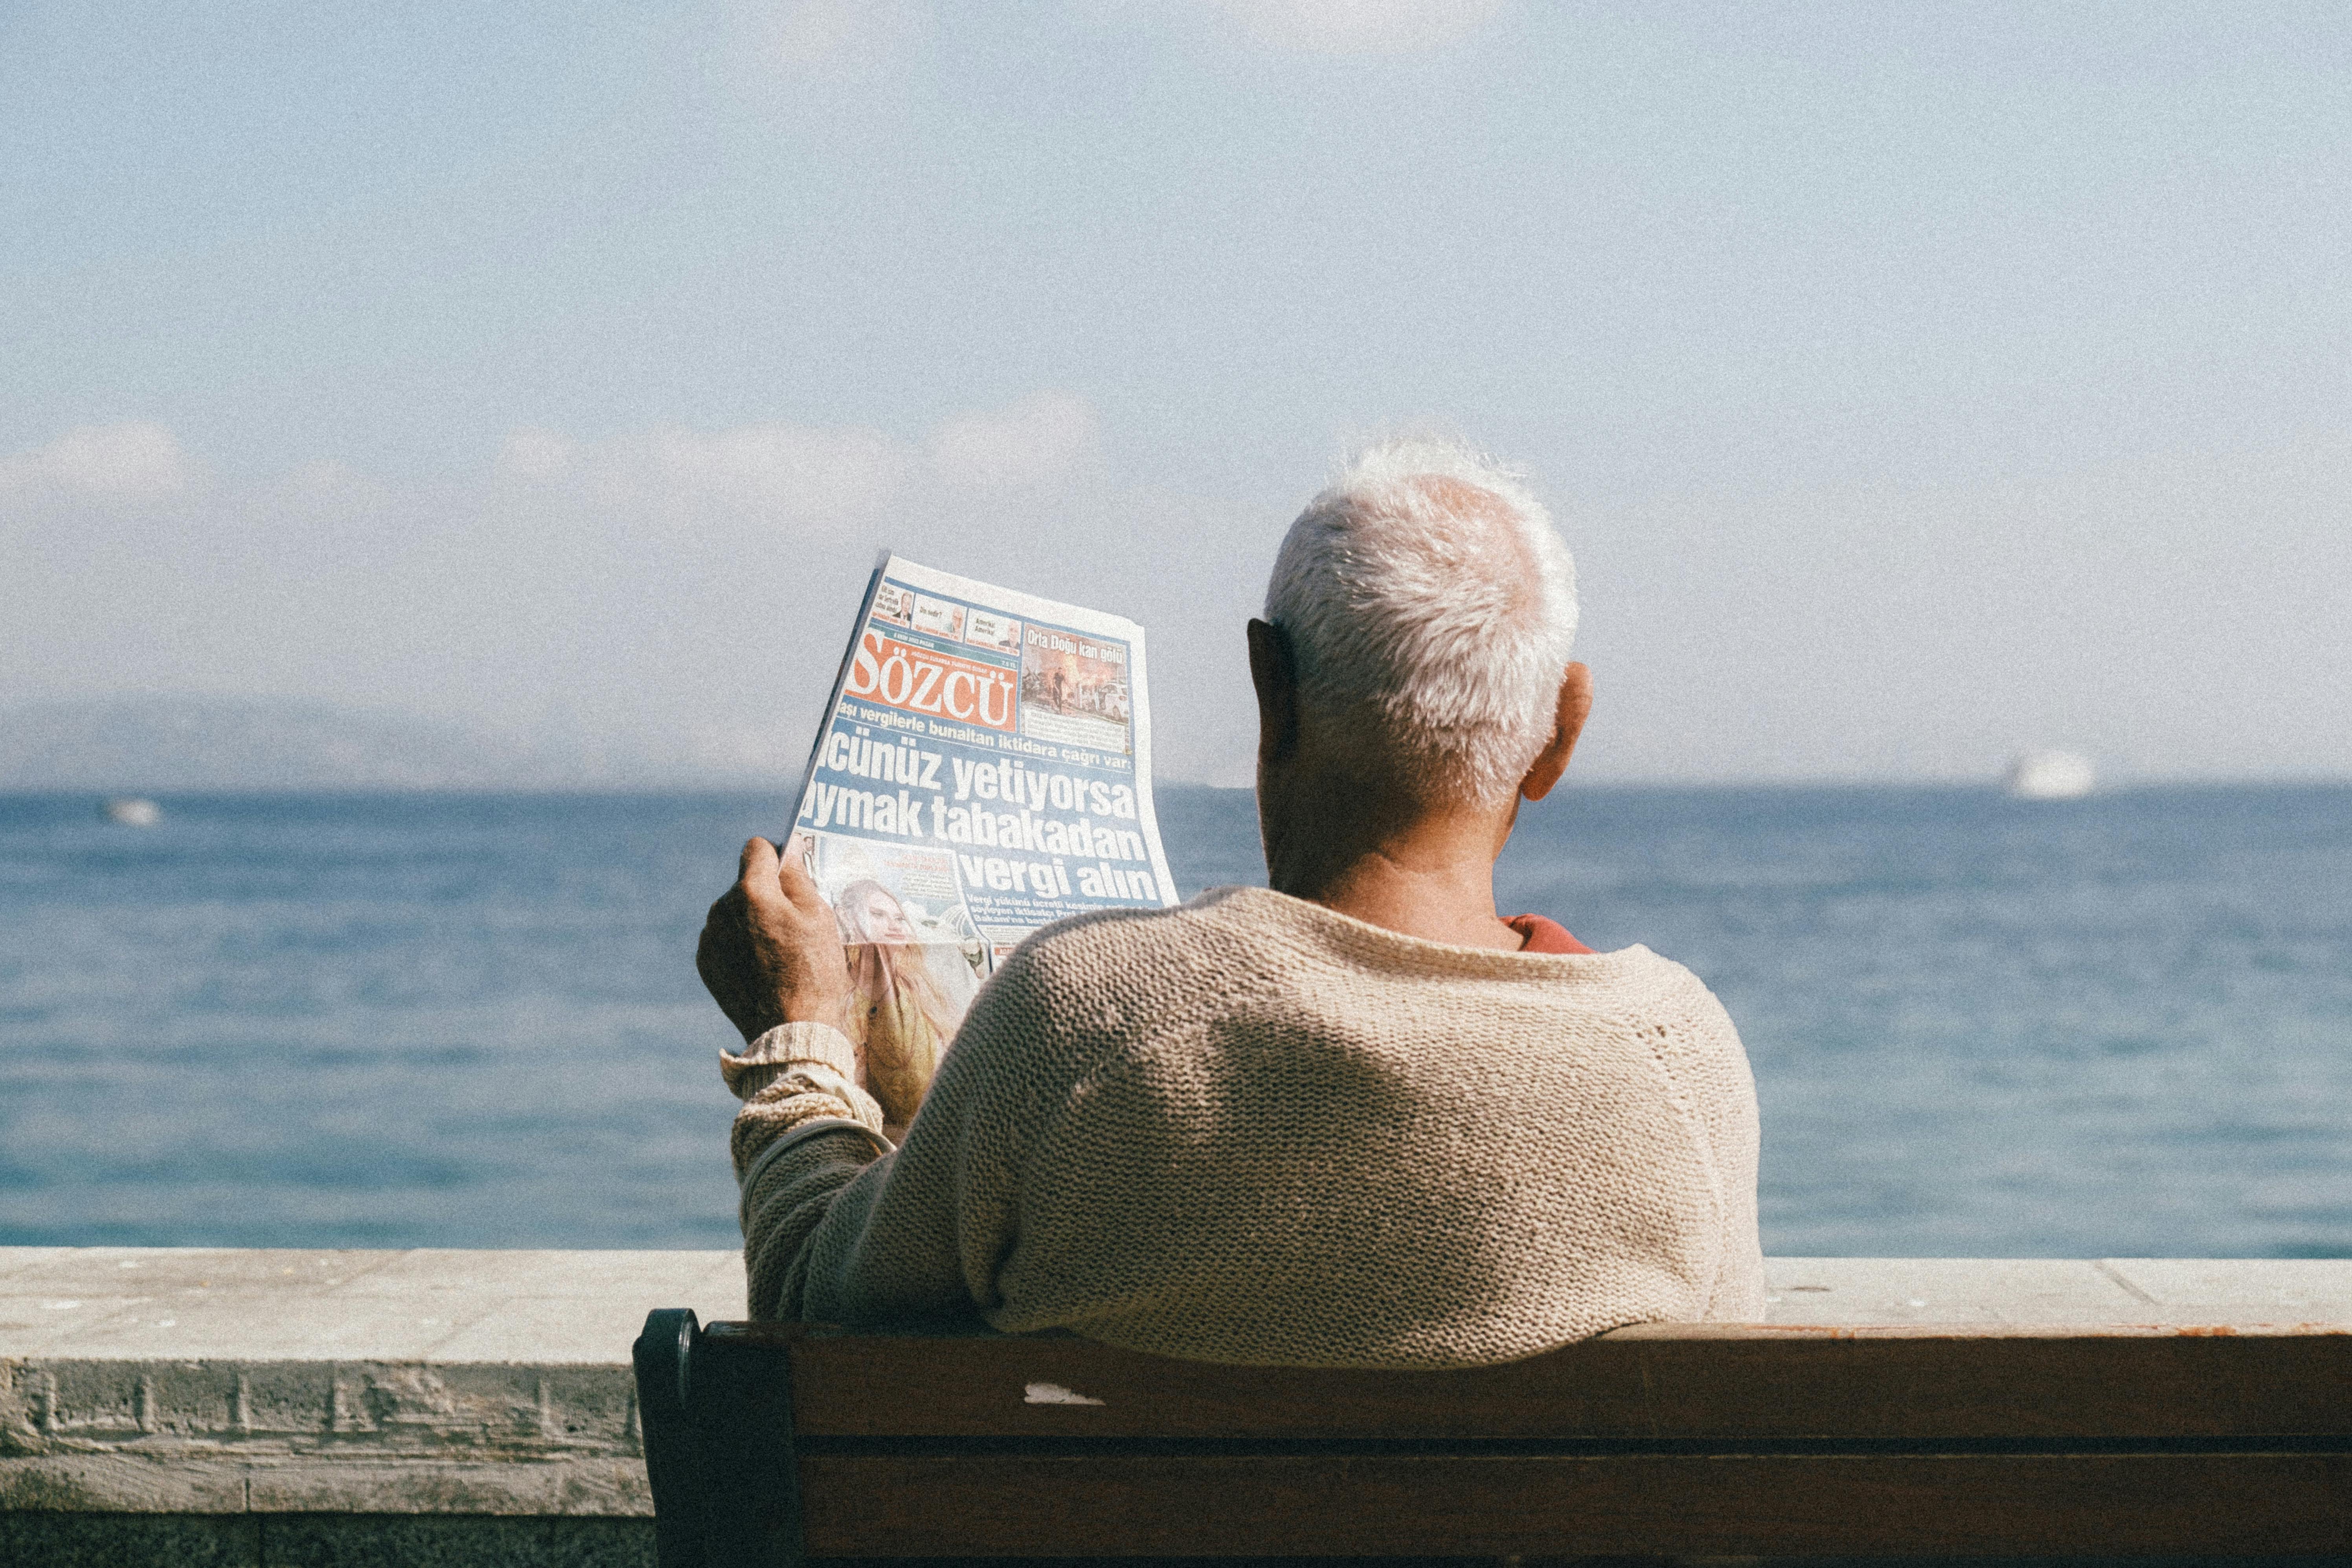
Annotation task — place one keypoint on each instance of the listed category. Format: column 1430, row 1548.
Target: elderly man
column 1353, row 1118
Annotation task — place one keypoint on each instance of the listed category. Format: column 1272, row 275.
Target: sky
column 1915, row 385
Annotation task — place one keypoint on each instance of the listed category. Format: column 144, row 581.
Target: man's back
column 1254, row 1130
column 1344, row 1119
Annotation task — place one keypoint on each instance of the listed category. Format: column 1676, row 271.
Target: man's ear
column 1276, row 679
column 1575, row 708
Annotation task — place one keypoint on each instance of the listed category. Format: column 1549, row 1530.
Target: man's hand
column 770, row 953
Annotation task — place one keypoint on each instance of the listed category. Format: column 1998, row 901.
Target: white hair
column 1426, row 596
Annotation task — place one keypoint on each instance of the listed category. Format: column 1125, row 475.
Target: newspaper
column 984, row 767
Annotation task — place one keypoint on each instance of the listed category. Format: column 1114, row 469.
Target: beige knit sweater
column 1252, row 1130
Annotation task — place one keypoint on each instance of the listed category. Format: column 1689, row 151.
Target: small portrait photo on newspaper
column 989, row 630
column 940, row 617
column 895, row 604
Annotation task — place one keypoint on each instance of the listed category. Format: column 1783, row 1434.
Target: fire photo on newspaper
column 1074, row 688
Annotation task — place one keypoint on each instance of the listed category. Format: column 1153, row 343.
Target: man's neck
column 1426, row 875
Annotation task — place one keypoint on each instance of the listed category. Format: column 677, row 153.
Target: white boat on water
column 133, row 811
column 2052, row 775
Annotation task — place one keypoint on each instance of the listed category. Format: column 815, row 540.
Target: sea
column 1981, row 1026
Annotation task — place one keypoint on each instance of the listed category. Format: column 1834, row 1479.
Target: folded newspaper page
column 984, row 767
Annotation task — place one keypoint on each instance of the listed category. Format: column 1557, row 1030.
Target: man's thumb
column 760, row 865
column 792, row 876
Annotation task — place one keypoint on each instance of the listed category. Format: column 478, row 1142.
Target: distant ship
column 2052, row 775
column 133, row 811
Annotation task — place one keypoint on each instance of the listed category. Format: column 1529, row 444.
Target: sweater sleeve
column 835, row 1232
column 930, row 1236
column 805, row 1131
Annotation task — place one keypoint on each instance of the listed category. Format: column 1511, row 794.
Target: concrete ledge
column 2273, row 1294
column 496, row 1385
column 199, row 1381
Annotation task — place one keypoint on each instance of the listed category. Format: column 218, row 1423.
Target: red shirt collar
column 1544, row 936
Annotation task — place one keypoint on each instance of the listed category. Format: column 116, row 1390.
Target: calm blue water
column 2121, row 1026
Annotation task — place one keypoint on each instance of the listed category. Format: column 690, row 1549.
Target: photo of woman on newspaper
column 902, row 1017
column 913, row 958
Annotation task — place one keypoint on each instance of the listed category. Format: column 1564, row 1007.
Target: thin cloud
column 781, row 472
column 808, row 474
column 127, row 464
column 850, row 38
column 795, row 472
column 534, row 455
column 1361, row 26
column 328, row 488
column 1037, row 440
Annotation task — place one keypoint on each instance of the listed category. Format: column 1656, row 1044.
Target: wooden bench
column 768, row 1444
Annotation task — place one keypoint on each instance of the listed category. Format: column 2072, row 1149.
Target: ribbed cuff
column 765, row 1059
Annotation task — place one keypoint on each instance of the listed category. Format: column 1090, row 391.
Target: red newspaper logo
column 917, row 681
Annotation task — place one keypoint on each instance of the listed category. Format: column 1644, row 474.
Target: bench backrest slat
column 1780, row 1387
